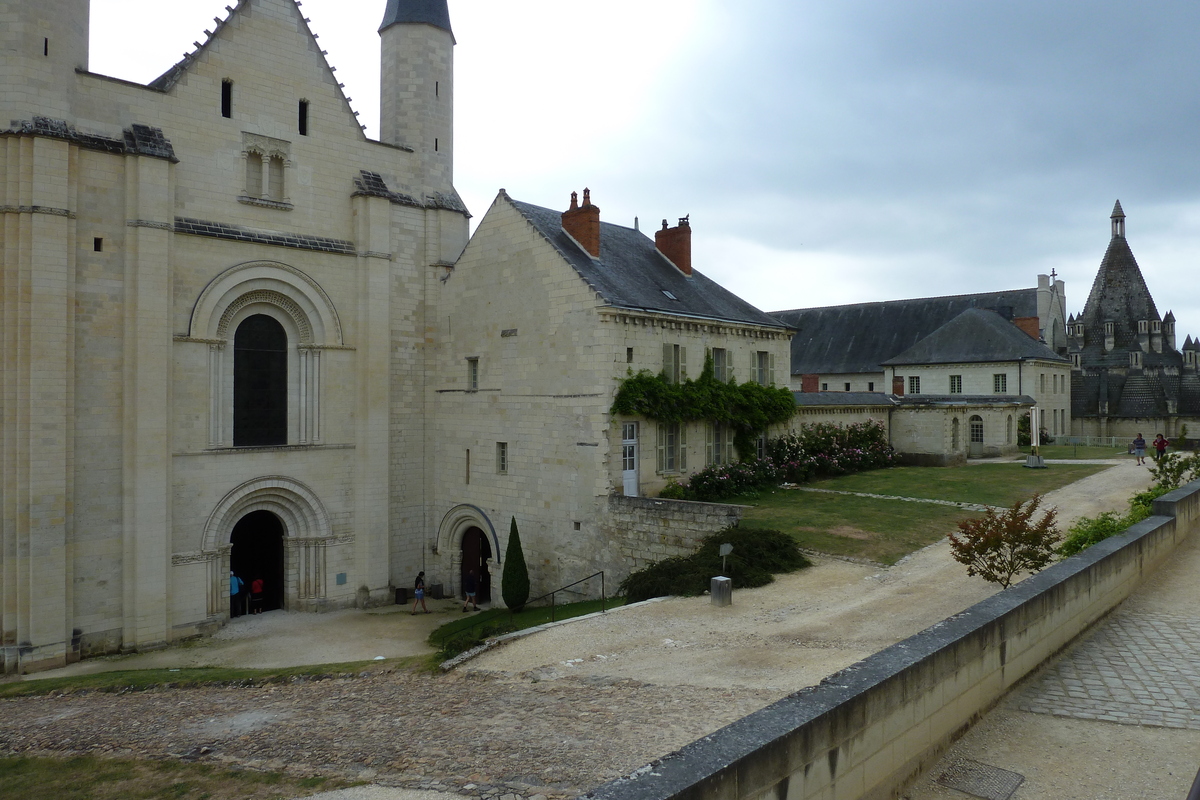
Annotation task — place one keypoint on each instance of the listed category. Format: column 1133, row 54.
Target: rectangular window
column 274, row 188
column 1042, row 383
column 870, row 386
column 720, row 357
column 672, row 447
column 1000, row 383
column 227, row 98
column 760, row 446
column 847, row 386
column 675, row 363
column 303, row 121
column 468, row 473
column 98, row 244
column 762, row 368
column 914, row 384
column 718, row 447
column 472, row 374
column 502, row 458
column 956, row 384
column 254, row 175
column 824, row 387
column 628, row 355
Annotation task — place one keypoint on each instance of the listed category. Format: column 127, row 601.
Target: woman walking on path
column 419, row 592
column 1139, row 450
column 1160, row 447
column 470, row 586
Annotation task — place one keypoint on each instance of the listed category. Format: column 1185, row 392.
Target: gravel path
column 553, row 714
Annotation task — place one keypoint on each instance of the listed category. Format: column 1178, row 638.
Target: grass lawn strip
column 94, row 778
column 861, row 526
column 463, row 634
column 964, row 506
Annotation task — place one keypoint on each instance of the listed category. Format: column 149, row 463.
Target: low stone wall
column 646, row 529
column 866, row 731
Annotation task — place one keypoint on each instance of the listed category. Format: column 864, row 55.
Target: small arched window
column 259, row 383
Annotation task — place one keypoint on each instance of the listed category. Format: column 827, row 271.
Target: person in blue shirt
column 236, row 585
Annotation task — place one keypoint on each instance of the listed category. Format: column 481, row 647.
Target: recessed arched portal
column 257, row 552
column 476, row 552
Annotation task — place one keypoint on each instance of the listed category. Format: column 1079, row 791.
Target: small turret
column 1118, row 221
column 416, row 107
column 1168, row 330
column 1191, row 353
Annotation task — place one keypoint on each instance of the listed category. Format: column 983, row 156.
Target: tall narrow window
column 762, row 368
column 46, row 46
column 720, row 357
column 259, row 383
column 1000, row 383
column 672, row 447
column 502, row 458
column 303, row 118
column 227, row 98
column 675, row 363
column 472, row 374
column 956, row 384
column 275, row 189
column 254, row 175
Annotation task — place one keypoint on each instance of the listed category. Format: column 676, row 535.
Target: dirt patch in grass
column 1000, row 484
column 93, row 778
column 852, row 533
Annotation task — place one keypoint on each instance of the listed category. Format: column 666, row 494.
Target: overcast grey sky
column 828, row 152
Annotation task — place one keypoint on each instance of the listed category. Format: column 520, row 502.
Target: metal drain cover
column 981, row 780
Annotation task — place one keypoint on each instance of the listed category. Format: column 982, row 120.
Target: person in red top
column 256, row 596
column 1160, row 447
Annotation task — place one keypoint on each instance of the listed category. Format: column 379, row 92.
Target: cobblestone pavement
column 484, row 736
column 1136, row 669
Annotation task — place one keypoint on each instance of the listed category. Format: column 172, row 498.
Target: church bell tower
column 417, row 87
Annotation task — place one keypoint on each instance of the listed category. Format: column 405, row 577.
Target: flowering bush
column 815, row 451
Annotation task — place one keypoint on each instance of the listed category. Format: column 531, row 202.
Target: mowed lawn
column 887, row 530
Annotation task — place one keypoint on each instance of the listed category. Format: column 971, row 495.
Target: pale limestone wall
column 931, row 432
column 648, row 530
column 836, row 382
column 113, row 534
column 546, row 382
column 842, row 415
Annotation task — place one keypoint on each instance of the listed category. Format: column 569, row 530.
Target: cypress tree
column 514, row 582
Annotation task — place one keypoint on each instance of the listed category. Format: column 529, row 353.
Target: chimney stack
column 583, row 223
column 676, row 244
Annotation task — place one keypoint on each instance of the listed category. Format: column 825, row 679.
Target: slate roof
column 965, row 400
column 428, row 12
column 632, row 274
column 974, row 336
column 844, row 399
column 860, row 337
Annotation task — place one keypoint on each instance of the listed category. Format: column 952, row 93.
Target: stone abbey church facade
column 239, row 334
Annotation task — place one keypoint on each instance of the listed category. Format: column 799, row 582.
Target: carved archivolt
column 265, row 146
column 297, row 506
column 270, row 297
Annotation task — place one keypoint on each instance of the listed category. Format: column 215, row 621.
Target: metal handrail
column 603, row 606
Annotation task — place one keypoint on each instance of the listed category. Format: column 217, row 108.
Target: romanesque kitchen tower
column 417, row 88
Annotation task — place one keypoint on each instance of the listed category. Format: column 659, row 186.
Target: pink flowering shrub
column 816, row 451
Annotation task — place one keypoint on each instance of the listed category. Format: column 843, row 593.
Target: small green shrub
column 673, row 491
column 757, row 556
column 1088, row 531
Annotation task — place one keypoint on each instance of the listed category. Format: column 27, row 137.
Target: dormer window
column 1156, row 326
column 1110, row 328
column 1143, row 326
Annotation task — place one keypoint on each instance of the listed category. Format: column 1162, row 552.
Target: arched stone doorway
column 257, row 552
column 476, row 552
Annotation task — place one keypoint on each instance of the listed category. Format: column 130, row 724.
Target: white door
column 629, row 458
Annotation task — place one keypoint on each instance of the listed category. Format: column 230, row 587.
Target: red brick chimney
column 583, row 222
column 676, row 244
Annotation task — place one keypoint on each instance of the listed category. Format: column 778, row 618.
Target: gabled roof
column 417, row 12
column 632, row 274
column 860, row 337
column 975, row 336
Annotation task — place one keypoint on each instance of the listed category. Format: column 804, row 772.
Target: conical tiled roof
column 417, row 12
column 1119, row 295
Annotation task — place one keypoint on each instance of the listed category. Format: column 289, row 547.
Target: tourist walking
column 1160, row 447
column 1139, row 450
column 470, row 587
column 236, row 601
column 419, row 592
column 256, row 596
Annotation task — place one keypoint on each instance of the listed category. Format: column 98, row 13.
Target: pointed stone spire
column 417, row 12
column 1118, row 221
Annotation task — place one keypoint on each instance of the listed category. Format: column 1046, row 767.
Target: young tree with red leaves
column 999, row 545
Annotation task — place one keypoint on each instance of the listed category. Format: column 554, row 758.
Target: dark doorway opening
column 257, row 552
column 475, row 554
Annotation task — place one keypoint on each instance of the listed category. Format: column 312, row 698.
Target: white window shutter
column 682, row 443
column 708, row 443
column 754, row 366
column 772, row 376
column 668, row 365
column 662, row 447
column 682, row 363
column 729, row 447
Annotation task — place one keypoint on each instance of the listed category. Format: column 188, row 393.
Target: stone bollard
column 721, row 591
